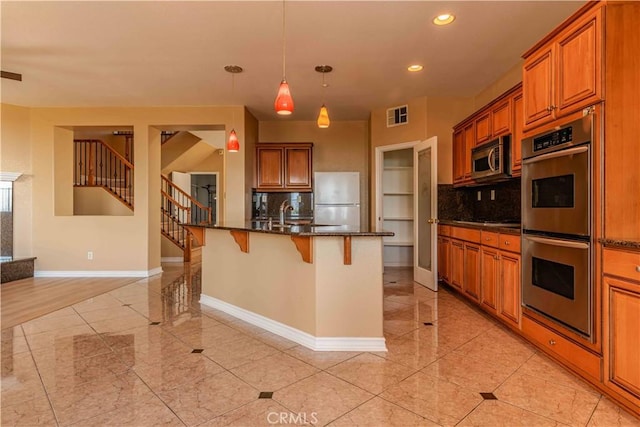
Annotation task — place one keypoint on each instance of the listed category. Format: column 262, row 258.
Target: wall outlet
column 479, row 195
column 493, row 194
column 90, row 255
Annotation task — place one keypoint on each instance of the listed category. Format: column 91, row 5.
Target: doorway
column 204, row 188
column 406, row 204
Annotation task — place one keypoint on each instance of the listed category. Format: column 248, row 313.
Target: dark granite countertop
column 511, row 229
column 299, row 230
column 620, row 244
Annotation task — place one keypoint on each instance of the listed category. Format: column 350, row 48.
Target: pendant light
column 284, row 102
column 233, row 145
column 323, row 117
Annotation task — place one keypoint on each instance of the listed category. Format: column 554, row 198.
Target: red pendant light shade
column 284, row 101
column 233, row 145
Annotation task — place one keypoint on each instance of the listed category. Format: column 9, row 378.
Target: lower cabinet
column 457, row 264
column 471, row 283
column 489, row 277
column 509, row 306
column 621, row 323
column 444, row 249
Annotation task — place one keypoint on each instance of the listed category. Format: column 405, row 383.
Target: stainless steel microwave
column 492, row 160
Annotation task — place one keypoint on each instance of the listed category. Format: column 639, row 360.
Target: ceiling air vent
column 397, row 116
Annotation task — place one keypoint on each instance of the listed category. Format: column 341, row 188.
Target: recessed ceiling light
column 444, row 19
column 415, row 67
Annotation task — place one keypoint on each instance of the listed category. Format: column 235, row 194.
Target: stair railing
column 98, row 165
column 199, row 214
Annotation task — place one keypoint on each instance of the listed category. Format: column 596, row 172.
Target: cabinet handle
column 638, row 268
column 552, row 342
column 487, row 238
column 506, row 243
column 496, row 258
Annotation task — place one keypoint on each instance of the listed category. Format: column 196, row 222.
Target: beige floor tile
column 73, row 347
column 379, row 412
column 274, row 372
column 371, row 372
column 498, row 344
column 541, row 366
column 169, row 374
column 320, row 359
column 185, row 326
column 437, row 400
column 608, row 414
column 91, row 399
column 239, row 351
column 276, row 341
column 143, row 413
column 58, row 373
column 154, row 352
column 246, row 327
column 209, row 397
column 493, row 413
column 20, row 380
column 141, row 335
column 46, row 324
column 212, row 337
column 261, row 412
column 322, row 396
column 35, row 412
column 13, row 342
column 109, row 313
column 544, row 396
column 399, row 327
column 47, row 340
column 97, row 303
column 120, row 325
column 474, row 373
column 416, row 350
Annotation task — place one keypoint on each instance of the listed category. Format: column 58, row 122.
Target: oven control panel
column 552, row 139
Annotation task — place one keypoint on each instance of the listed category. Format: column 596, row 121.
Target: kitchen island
column 319, row 286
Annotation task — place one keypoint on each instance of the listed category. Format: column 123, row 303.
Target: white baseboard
column 172, row 259
column 296, row 335
column 94, row 273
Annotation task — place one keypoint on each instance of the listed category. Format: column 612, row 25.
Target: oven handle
column 562, row 153
column 556, row 242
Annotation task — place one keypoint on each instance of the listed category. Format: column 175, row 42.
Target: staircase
column 177, row 209
column 98, row 165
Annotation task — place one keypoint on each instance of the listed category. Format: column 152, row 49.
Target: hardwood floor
column 28, row 299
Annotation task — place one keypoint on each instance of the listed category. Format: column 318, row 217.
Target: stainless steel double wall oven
column 557, row 245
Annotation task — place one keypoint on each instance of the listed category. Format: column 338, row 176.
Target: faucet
column 285, row 206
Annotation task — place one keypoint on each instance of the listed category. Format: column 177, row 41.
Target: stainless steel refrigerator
column 336, row 198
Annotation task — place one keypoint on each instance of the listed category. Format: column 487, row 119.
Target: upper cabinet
column 284, row 167
column 516, row 141
column 496, row 119
column 564, row 73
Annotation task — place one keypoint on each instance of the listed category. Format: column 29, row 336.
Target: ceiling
column 161, row 53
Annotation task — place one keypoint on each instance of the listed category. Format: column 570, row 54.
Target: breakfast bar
column 319, row 286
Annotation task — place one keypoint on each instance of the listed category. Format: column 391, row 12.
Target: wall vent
column 397, row 116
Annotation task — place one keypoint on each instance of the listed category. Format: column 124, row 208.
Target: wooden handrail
column 108, row 147
column 187, row 195
column 174, row 201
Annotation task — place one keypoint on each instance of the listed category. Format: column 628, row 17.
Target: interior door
column 425, row 252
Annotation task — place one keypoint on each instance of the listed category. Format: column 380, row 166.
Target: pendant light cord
column 233, row 110
column 284, row 55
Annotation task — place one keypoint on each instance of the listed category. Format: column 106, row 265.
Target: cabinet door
column 538, row 86
column 622, row 329
column 471, row 284
column 516, row 143
column 509, row 306
column 489, row 278
column 298, row 168
column 469, row 143
column 443, row 258
column 458, row 156
column 457, row 263
column 483, row 128
column 501, row 118
column 270, row 167
column 579, row 52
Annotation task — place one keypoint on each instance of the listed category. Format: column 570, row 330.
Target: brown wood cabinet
column 490, row 277
column 471, row 283
column 444, row 249
column 509, row 307
column 483, row 127
column 563, row 74
column 457, row 263
column 495, row 119
column 284, row 167
column 621, row 322
column 516, row 140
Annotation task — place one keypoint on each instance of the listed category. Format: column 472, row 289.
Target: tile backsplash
column 265, row 205
column 463, row 204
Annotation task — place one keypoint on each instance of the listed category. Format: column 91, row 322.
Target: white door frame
column 217, row 174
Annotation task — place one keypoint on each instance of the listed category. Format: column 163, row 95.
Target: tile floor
column 149, row 354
